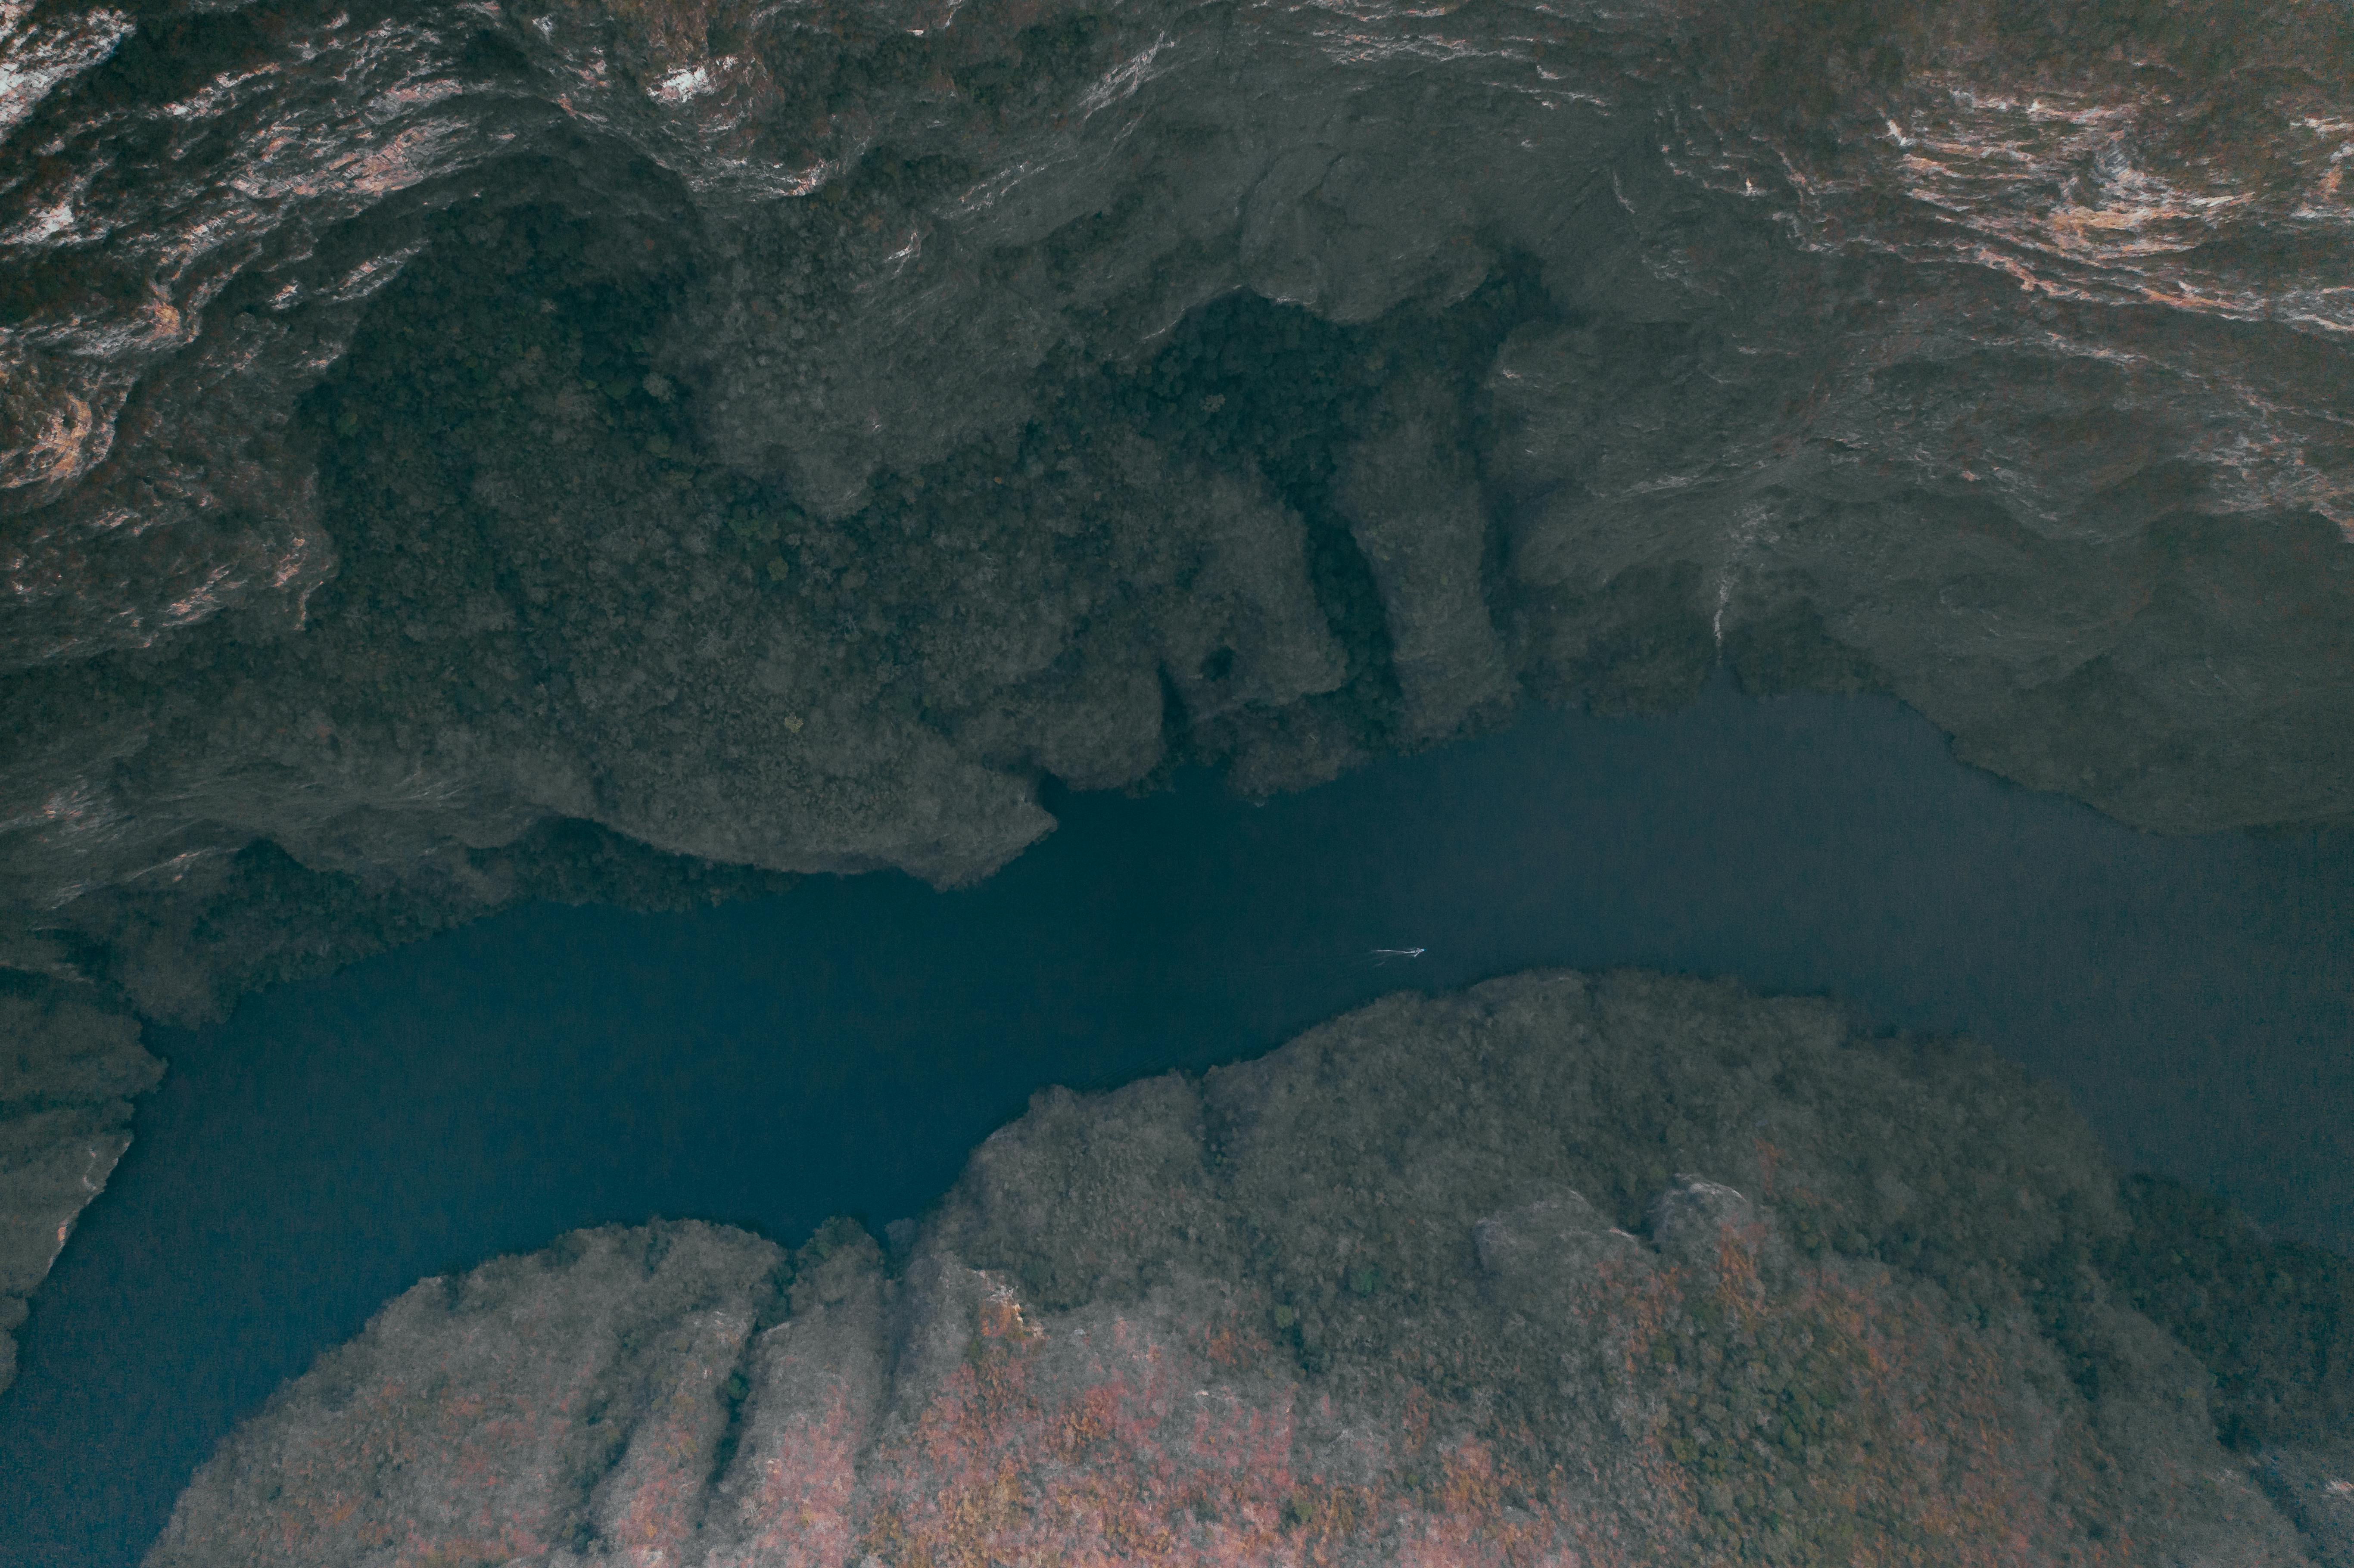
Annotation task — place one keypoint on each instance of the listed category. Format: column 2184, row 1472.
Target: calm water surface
column 838, row 1050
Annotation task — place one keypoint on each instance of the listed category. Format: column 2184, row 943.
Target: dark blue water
column 841, row 1048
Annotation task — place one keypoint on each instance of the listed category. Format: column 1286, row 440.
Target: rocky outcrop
column 67, row 1076
column 782, row 437
column 1560, row 1269
column 2315, row 1487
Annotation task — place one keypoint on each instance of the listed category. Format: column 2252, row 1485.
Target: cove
column 840, row 1049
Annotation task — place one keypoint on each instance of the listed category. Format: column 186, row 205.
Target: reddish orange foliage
column 1126, row 1451
column 1864, row 1428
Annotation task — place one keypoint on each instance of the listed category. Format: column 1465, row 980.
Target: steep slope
column 780, row 436
column 1606, row 1270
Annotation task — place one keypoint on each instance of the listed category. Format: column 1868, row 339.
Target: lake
column 839, row 1049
